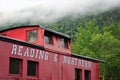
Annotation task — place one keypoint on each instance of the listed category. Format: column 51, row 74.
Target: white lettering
column 46, row 56
column 89, row 64
column 32, row 52
column 76, row 61
column 83, row 63
column 41, row 56
column 73, row 61
column 69, row 59
column 26, row 53
column 86, row 63
column 56, row 57
column 64, row 59
column 20, row 50
column 79, row 62
column 36, row 53
column 14, row 49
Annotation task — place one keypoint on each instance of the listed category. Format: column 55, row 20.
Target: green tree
column 114, row 29
column 83, row 38
column 106, row 46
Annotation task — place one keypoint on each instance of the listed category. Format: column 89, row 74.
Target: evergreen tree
column 105, row 46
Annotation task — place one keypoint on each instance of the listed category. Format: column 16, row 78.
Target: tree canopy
column 104, row 45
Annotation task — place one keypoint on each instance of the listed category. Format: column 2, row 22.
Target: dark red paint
column 58, row 64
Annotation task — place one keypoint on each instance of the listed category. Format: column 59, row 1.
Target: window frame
column 65, row 43
column 79, row 74
column 49, row 36
column 27, row 35
column 88, row 74
column 19, row 68
column 36, row 69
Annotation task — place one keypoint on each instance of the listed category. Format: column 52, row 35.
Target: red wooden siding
column 51, row 61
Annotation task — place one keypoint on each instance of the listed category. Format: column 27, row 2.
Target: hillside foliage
column 96, row 36
column 68, row 25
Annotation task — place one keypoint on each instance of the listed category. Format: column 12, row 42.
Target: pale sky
column 47, row 10
column 12, row 5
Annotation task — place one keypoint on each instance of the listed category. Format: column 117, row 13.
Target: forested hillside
column 68, row 25
column 96, row 36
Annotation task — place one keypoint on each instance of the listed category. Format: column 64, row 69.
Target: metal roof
column 16, row 41
column 46, row 29
column 88, row 58
column 14, row 27
column 56, row 32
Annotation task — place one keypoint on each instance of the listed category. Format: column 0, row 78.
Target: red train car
column 36, row 53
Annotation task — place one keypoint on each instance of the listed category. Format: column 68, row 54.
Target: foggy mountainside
column 88, row 40
column 68, row 25
column 94, row 27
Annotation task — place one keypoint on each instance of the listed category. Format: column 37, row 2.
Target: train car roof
column 46, row 29
column 11, row 40
column 88, row 58
column 58, row 33
column 16, row 41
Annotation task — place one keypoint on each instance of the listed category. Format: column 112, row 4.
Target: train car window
column 15, row 65
column 78, row 74
column 48, row 38
column 31, row 68
column 63, row 43
column 32, row 35
column 87, row 75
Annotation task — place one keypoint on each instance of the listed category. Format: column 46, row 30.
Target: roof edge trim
column 88, row 58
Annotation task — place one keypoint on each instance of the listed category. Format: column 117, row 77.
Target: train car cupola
column 31, row 34
column 35, row 34
column 37, row 53
column 54, row 40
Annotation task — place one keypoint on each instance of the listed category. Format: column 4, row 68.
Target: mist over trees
column 105, row 45
column 96, row 36
column 68, row 24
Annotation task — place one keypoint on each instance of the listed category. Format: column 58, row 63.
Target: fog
column 35, row 11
